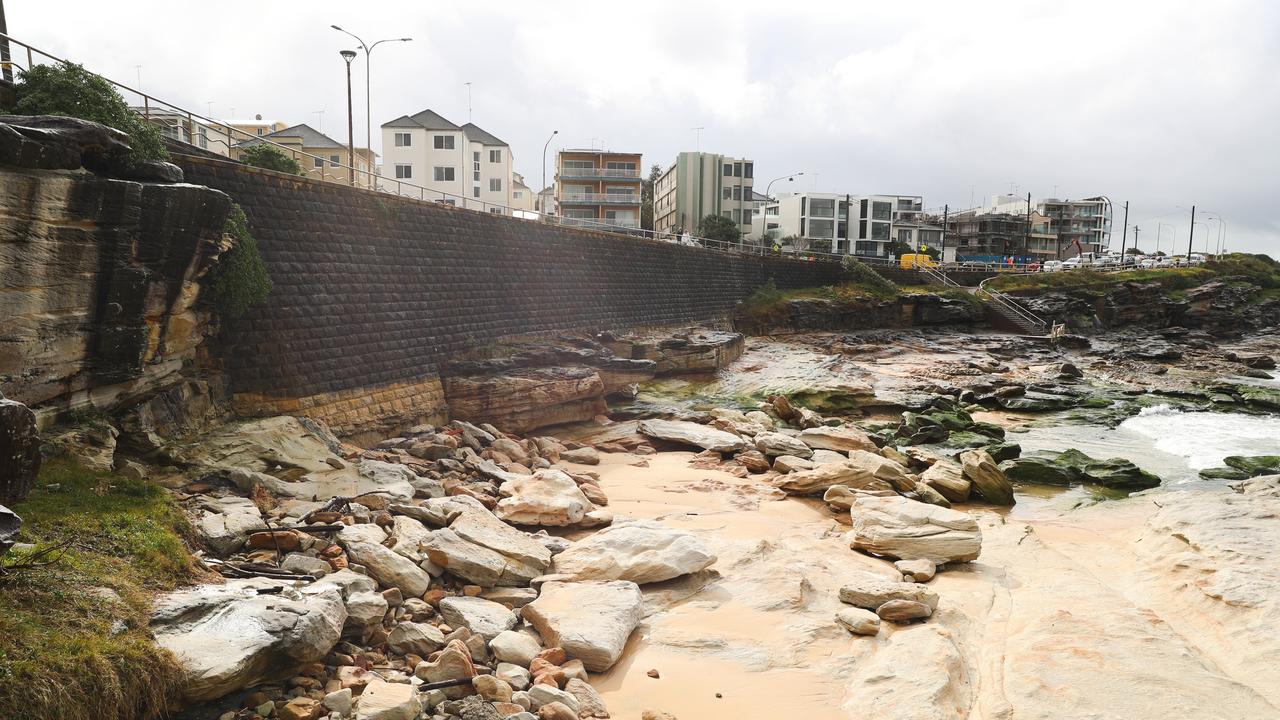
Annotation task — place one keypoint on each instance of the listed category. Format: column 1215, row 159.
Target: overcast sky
column 1162, row 104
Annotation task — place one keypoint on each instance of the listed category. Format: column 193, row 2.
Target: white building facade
column 861, row 225
column 461, row 165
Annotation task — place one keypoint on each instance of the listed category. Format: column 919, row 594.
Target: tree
column 646, row 197
column 271, row 158
column 1158, row 253
column 719, row 227
column 68, row 89
column 1133, row 251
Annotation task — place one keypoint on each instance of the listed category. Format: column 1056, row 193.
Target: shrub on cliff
column 239, row 280
column 270, row 157
column 70, row 90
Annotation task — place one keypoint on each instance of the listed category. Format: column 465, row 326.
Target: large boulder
column 869, row 591
column 947, row 478
column 805, row 482
column 224, row 523
column 19, row 451
column 882, row 468
column 690, row 433
column 381, row 700
column 904, row 529
column 10, row 524
column 642, row 551
column 389, row 568
column 547, row 497
column 590, row 620
column 987, row 478
column 841, row 439
column 482, row 617
column 774, row 444
column 232, row 636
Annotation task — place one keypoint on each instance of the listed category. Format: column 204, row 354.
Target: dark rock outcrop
column 19, row 451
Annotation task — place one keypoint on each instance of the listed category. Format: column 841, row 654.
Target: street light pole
column 350, row 55
column 768, row 198
column 544, row 165
column 1191, row 238
column 368, row 93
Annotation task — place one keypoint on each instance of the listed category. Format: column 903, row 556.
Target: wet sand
column 1055, row 586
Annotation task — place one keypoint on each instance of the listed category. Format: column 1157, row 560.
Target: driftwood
column 249, row 569
column 40, row 558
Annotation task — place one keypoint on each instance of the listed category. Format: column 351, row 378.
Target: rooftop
column 475, row 133
column 306, row 135
column 428, row 119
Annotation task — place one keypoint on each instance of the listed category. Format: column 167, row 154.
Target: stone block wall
column 372, row 292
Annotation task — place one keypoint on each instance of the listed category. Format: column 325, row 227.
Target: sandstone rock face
column 19, row 450
column 548, row 497
column 840, row 439
column 642, row 551
column 482, row 617
column 987, row 478
column 698, row 352
column 904, row 529
column 229, row 637
column 527, row 398
column 590, row 620
column 690, row 433
column 804, row 482
column 100, row 275
column 929, row 679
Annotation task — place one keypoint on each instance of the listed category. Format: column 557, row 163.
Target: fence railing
column 597, row 198
column 571, row 172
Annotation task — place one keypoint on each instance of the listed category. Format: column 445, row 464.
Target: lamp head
column 335, row 27
column 348, row 55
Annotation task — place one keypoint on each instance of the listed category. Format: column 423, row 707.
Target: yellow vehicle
column 916, row 260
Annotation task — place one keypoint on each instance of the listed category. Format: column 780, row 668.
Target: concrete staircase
column 1009, row 309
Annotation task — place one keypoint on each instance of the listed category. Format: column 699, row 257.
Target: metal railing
column 594, row 172
column 582, row 222
column 597, row 198
column 1011, row 307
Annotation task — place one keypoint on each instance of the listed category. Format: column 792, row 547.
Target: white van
column 1051, row 266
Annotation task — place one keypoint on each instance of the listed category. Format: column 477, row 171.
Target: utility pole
column 1026, row 240
column 1136, row 230
column 1192, row 236
column 1124, row 237
column 4, row 46
column 350, row 55
column 945, row 210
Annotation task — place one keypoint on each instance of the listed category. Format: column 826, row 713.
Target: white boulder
column 642, row 551
column 590, row 620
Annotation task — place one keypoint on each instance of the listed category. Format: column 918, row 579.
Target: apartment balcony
column 600, row 223
column 599, row 199
column 607, row 173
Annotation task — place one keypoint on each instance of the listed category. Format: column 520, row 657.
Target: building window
column 404, row 172
column 748, row 169
column 495, row 184
column 444, row 142
column 619, row 165
column 736, row 216
column 728, row 169
column 495, row 156
column 335, row 160
column 822, row 207
column 881, row 210
column 475, row 191
column 737, row 192
column 475, row 158
column 444, row 174
column 319, row 162
column 880, row 230
column 820, row 229
column 495, row 211
column 728, row 193
column 259, row 131
column 577, row 164
column 517, row 194
column 403, row 140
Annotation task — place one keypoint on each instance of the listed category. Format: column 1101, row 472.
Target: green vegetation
column 76, row 645
column 719, row 227
column 1258, row 270
column 239, row 280
column 270, row 157
column 862, row 275
column 68, row 89
column 646, row 197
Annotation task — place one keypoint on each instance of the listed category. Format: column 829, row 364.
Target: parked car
column 1074, row 263
column 1052, row 266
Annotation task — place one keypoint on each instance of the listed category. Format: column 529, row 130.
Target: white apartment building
column 838, row 223
column 464, row 164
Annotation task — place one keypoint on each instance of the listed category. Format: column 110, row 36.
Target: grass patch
column 74, row 643
column 1172, row 278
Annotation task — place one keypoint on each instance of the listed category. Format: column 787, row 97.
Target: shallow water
column 1171, row 443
